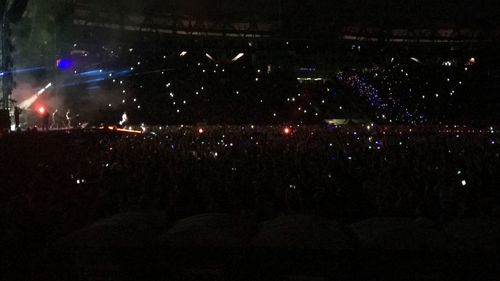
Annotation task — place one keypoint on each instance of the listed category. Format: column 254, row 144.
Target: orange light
column 41, row 110
column 287, row 131
column 129, row 131
column 472, row 60
column 111, row 128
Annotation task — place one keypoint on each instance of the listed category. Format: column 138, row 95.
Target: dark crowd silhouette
column 56, row 183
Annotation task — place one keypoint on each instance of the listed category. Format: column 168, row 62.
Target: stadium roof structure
column 425, row 21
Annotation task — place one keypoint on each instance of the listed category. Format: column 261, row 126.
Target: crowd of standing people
column 53, row 183
column 342, row 173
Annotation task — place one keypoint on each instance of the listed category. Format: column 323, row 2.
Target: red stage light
column 41, row 110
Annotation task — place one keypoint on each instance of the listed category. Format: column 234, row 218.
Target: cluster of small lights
column 382, row 87
column 390, row 107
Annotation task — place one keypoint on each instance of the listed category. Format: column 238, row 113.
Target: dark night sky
column 412, row 12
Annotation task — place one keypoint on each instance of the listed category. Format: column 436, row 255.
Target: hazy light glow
column 29, row 102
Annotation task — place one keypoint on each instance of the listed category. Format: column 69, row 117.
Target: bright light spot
column 41, row 110
column 287, row 131
column 183, row 53
column 464, row 183
column 238, row 56
column 209, row 56
column 415, row 59
column 201, row 131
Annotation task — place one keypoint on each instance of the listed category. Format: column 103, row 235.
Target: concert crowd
column 55, row 183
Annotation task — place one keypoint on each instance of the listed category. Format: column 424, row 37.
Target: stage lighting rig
column 12, row 12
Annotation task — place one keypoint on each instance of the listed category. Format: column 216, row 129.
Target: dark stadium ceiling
column 379, row 13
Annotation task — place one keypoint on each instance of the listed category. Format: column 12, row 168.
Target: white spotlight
column 238, row 56
column 209, row 56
